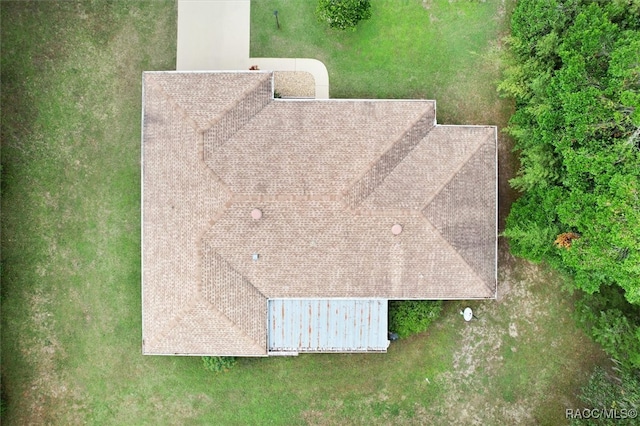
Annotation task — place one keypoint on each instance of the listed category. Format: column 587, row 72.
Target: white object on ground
column 467, row 314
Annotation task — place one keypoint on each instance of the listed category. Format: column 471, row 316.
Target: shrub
column 619, row 390
column 407, row 317
column 218, row 364
column 613, row 322
column 343, row 14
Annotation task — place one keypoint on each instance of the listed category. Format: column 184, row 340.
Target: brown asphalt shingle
column 311, row 147
column 330, row 177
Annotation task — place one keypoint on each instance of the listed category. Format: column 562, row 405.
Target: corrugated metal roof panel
column 328, row 325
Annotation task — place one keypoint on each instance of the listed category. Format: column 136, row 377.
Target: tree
column 343, row 14
column 619, row 390
column 574, row 73
column 613, row 322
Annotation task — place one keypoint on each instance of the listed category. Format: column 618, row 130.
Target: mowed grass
column 71, row 326
column 432, row 49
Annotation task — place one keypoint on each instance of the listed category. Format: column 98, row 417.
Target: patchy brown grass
column 70, row 131
column 71, row 75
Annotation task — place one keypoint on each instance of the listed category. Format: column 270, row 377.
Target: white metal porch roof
column 327, row 325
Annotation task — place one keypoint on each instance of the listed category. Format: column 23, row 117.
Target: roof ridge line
column 239, row 99
column 230, row 265
column 175, row 319
column 234, row 324
column 455, row 250
column 208, row 288
column 358, row 190
column 453, row 174
column 235, row 117
column 201, row 154
column 436, row 193
column 283, row 197
column 386, row 212
column 176, row 106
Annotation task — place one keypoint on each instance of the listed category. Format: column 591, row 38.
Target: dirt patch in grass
column 427, row 4
column 69, row 142
column 522, row 360
column 70, row 236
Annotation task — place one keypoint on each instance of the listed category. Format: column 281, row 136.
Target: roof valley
column 235, row 117
column 365, row 185
column 454, row 172
column 331, row 180
column 232, row 294
column 176, row 106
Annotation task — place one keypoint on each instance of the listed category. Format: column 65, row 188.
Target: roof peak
column 216, row 146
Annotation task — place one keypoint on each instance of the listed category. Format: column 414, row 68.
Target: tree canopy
column 575, row 75
column 574, row 72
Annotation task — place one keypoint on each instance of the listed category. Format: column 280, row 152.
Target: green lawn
column 71, row 326
column 433, row 49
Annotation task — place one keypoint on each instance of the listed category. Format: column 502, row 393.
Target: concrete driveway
column 215, row 35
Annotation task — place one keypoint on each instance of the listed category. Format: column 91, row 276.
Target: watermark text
column 600, row 413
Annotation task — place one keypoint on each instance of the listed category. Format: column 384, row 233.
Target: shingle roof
column 330, row 177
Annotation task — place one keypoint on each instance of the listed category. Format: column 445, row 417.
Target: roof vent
column 256, row 214
column 396, row 229
column 256, row 256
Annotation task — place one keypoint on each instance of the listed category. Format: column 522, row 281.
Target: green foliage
column 408, row 317
column 613, row 322
column 343, row 14
column 620, row 391
column 574, row 71
column 532, row 226
column 533, row 20
column 392, row 55
column 101, row 128
column 217, row 364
